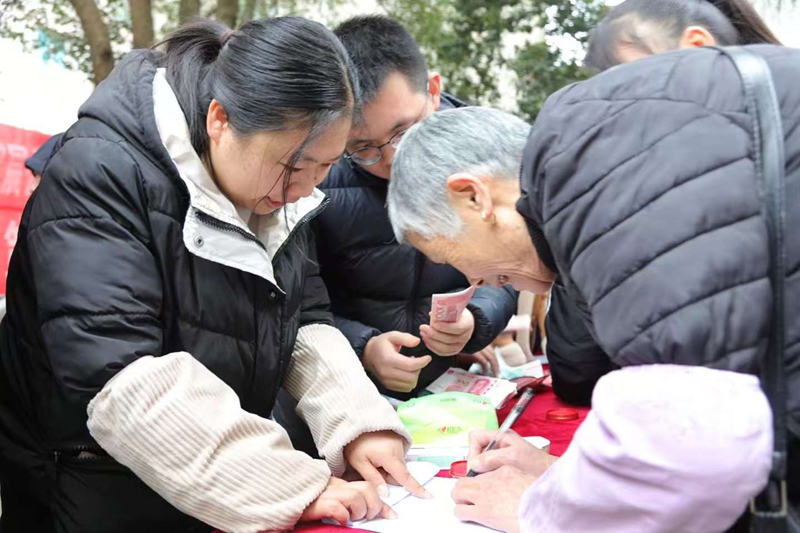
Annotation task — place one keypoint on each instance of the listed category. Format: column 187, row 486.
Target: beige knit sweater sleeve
column 336, row 398
column 181, row 430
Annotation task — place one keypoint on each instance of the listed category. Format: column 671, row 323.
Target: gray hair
column 474, row 140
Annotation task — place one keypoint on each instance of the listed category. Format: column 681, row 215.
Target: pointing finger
column 399, row 471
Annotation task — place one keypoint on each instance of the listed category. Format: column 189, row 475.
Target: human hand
column 510, row 450
column 448, row 338
column 487, row 359
column 492, row 499
column 343, row 501
column 382, row 359
column 380, row 458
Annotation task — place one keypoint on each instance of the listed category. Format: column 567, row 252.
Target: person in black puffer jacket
column 634, row 29
column 641, row 190
column 164, row 288
column 380, row 290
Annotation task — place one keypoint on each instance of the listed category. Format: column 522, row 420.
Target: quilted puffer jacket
column 117, row 260
column 641, row 191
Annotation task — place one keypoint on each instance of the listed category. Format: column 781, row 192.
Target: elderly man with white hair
column 638, row 193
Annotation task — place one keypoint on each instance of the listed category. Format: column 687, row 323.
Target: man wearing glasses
column 381, row 291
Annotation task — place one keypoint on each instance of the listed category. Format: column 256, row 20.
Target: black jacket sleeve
column 576, row 361
column 492, row 309
column 98, row 290
column 357, row 334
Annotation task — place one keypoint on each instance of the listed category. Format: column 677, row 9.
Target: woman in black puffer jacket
column 165, row 281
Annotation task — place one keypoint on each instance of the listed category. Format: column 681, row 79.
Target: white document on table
column 415, row 515
column 418, row 515
column 422, row 471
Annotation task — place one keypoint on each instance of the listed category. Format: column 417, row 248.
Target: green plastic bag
column 446, row 418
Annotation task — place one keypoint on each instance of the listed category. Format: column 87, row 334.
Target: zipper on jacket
column 210, row 221
column 281, row 338
column 76, row 453
column 303, row 221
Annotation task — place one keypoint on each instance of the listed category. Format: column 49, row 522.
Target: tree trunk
column 96, row 33
column 142, row 23
column 228, row 12
column 249, row 11
column 188, row 9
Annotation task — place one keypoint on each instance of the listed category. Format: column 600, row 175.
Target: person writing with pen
column 656, row 230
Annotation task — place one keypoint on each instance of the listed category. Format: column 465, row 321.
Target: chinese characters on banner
column 16, row 185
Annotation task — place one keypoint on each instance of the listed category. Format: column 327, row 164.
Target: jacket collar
column 214, row 229
column 527, row 206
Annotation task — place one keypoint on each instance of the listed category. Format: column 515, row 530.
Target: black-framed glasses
column 369, row 155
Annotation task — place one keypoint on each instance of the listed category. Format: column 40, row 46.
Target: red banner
column 16, row 185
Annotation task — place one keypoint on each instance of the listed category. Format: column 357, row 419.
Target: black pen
column 512, row 417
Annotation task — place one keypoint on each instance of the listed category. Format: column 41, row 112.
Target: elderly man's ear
column 470, row 193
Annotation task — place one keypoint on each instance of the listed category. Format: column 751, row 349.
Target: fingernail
column 392, row 515
column 427, row 495
column 383, row 491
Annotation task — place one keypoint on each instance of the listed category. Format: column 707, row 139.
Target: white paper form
column 416, row 515
column 422, row 471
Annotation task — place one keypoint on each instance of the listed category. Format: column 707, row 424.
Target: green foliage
column 541, row 72
column 463, row 39
column 472, row 43
column 52, row 27
column 468, row 42
column 544, row 67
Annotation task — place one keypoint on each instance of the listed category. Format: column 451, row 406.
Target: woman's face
column 251, row 170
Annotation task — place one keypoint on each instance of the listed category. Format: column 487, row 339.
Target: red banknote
column 448, row 307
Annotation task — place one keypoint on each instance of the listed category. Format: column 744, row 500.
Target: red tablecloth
column 532, row 423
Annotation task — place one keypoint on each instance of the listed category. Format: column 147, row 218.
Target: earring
column 491, row 219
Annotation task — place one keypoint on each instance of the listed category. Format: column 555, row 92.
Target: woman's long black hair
column 269, row 75
column 643, row 23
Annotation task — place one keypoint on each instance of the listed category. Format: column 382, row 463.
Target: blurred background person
column 39, row 159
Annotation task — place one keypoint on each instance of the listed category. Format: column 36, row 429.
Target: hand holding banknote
column 452, row 324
